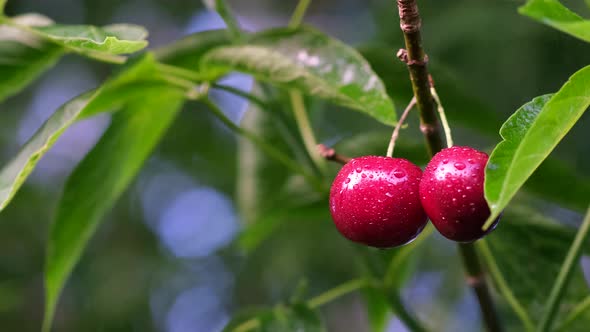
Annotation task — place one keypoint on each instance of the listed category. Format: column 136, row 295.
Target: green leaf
column 23, row 57
column 529, row 249
column 100, row 43
column 264, row 226
column 556, row 15
column 293, row 318
column 99, row 180
column 529, row 136
column 135, row 79
column 306, row 59
column 187, row 52
column 557, row 181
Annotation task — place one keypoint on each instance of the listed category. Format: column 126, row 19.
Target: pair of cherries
column 386, row 202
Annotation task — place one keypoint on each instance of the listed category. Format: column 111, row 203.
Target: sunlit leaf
column 100, row 43
column 108, row 97
column 529, row 249
column 99, row 180
column 306, row 59
column 530, row 135
column 556, row 15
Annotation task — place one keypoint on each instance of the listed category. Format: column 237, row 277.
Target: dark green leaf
column 99, row 180
column 110, row 96
column 556, row 15
column 264, row 226
column 530, row 135
column 311, row 61
column 461, row 107
column 187, row 52
column 529, row 250
column 558, row 182
column 23, row 57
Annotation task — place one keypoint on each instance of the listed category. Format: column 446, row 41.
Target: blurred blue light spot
column 204, row 20
column 197, row 309
column 395, row 325
column 232, row 105
column 197, row 223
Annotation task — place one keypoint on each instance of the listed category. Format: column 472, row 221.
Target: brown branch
column 330, row 154
column 416, row 60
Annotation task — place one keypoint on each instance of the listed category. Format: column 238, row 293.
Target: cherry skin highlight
column 375, row 201
column 451, row 192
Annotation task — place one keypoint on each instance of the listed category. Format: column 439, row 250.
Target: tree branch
column 417, row 60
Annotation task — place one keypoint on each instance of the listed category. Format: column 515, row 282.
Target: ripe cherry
column 451, row 192
column 374, row 200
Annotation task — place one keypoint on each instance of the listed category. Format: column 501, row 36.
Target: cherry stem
column 399, row 124
column 331, row 155
column 443, row 117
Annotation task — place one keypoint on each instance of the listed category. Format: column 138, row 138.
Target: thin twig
column 298, row 13
column 305, row 129
column 337, row 292
column 330, row 154
column 315, row 302
column 399, row 124
column 233, row 26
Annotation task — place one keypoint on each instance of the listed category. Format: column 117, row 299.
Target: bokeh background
column 164, row 259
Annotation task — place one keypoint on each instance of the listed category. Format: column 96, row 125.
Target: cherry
column 374, row 200
column 451, row 192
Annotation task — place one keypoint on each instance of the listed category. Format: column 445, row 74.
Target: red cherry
column 451, row 192
column 374, row 200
